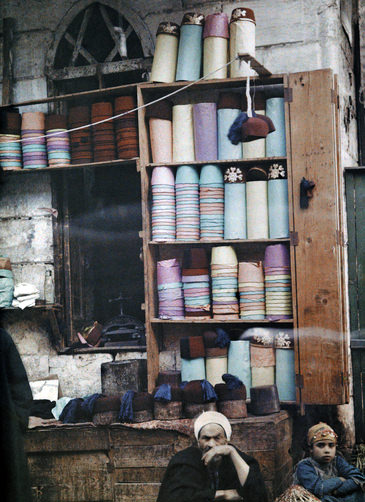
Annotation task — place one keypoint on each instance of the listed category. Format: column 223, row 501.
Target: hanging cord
column 129, row 111
column 248, row 94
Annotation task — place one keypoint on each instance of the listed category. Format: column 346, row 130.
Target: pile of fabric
column 25, row 295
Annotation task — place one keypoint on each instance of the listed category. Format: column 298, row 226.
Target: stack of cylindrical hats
column 239, row 361
column 257, row 207
column 34, row 143
column 242, row 31
column 183, row 133
column 234, row 204
column 215, row 45
column 205, row 131
column 169, row 285
column 168, row 402
column 278, row 294
column 228, row 109
column 10, row 147
column 81, row 142
column 251, row 290
column 278, row 202
column 126, row 132
column 106, row 410
column 187, row 203
column 195, row 279
column 231, row 397
column 198, row 396
column 216, row 351
column 262, row 356
column 165, row 56
column 285, row 365
column 103, row 134
column 211, row 203
column 224, row 272
column 58, row 142
column 276, row 142
column 163, row 204
column 159, row 118
column 190, row 47
column 6, row 282
column 192, row 352
column 142, row 407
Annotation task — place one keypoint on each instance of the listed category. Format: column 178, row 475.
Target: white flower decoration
column 264, row 338
column 233, row 175
column 282, row 339
column 276, row 171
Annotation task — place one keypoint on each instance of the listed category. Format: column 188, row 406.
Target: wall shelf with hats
column 239, row 205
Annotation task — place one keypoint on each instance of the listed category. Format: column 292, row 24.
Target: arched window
column 97, row 48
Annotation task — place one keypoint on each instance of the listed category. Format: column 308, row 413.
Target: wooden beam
column 8, row 37
column 255, row 65
column 105, row 68
column 110, row 28
column 70, row 39
column 80, row 36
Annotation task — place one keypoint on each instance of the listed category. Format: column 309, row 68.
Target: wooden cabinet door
column 313, row 154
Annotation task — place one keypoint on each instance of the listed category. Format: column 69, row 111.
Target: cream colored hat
column 212, row 417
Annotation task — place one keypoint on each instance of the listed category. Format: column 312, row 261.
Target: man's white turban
column 212, row 417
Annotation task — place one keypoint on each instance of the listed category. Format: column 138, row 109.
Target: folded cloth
column 60, row 405
column 24, row 288
column 79, row 409
column 126, row 407
column 26, row 298
column 42, row 408
column 25, row 303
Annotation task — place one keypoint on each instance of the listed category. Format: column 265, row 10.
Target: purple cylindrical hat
column 205, row 131
column 216, row 25
column 168, row 271
column 276, row 255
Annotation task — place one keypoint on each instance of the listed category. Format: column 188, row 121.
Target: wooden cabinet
column 316, row 243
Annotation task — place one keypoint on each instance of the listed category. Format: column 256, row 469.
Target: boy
column 325, row 474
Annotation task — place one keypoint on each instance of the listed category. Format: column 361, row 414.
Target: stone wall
column 291, row 36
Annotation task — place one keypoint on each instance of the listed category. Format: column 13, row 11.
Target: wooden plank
column 318, row 270
column 358, row 365
column 8, row 37
column 140, row 474
column 80, row 36
column 255, row 65
column 67, row 439
column 136, row 491
column 146, row 455
column 353, row 283
column 360, row 245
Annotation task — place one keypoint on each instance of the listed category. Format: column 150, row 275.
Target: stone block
column 118, row 377
column 33, row 88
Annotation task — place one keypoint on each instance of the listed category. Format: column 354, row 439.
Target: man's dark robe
column 188, row 480
column 15, row 403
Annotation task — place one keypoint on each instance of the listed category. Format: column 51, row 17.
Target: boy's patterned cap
column 320, row 432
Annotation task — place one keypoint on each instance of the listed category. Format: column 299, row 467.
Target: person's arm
column 242, row 468
column 354, row 479
column 184, row 483
column 254, row 489
column 309, row 479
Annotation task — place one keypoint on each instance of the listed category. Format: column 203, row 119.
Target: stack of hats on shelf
column 159, row 117
column 234, row 204
column 251, row 290
column 163, row 204
column 192, row 353
column 277, row 283
column 224, row 271
column 10, row 147
column 169, row 285
column 136, row 407
column 231, row 397
column 103, row 134
column 168, row 402
column 106, row 410
column 262, row 356
column 58, row 143
column 216, row 351
column 34, row 142
column 187, row 203
column 195, row 279
column 198, row 396
column 81, row 143
column 211, row 203
column 126, row 127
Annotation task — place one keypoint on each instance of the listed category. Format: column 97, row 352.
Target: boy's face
column 324, row 451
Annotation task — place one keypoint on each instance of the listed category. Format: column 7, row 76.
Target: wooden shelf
column 247, row 162
column 94, row 350
column 219, row 242
column 68, row 167
column 35, row 307
column 218, row 321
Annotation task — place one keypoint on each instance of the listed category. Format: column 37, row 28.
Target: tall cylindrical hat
column 275, row 141
column 165, row 57
column 216, row 35
column 228, row 109
column 205, row 131
column 190, row 51
column 183, row 133
column 234, row 204
column 278, row 203
column 257, row 208
column 242, row 31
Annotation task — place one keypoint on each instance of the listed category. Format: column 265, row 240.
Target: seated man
column 215, row 470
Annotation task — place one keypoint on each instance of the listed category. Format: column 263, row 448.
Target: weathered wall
column 291, row 36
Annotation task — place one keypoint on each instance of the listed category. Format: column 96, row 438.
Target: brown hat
column 107, row 403
column 264, row 400
column 254, row 128
column 229, row 100
column 193, row 18
column 192, row 347
column 160, row 110
column 172, row 378
column 142, row 401
column 168, row 28
column 243, row 14
column 226, row 394
column 256, row 174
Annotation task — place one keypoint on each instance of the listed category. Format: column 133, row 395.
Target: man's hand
column 227, row 495
column 215, row 454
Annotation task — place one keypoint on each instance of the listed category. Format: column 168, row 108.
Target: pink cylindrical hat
column 216, row 25
column 276, row 255
column 250, row 272
column 33, row 120
column 162, row 176
column 168, row 271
